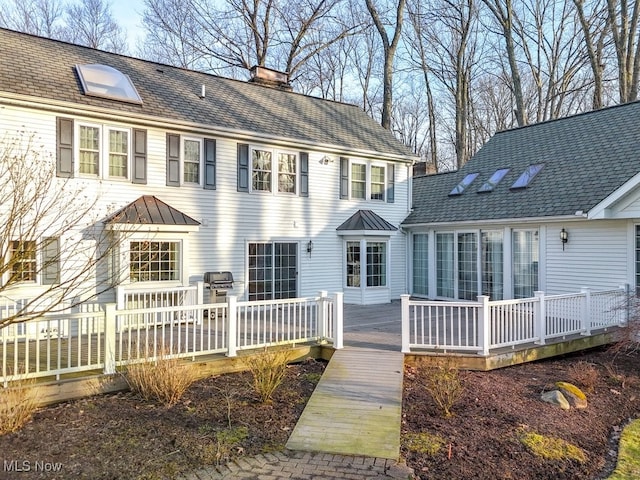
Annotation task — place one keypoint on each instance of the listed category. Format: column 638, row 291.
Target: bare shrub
column 165, row 379
column 584, row 374
column 17, row 405
column 442, row 381
column 268, row 369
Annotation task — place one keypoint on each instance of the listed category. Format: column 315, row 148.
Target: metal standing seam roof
column 586, row 158
column 45, row 68
column 149, row 210
column 366, row 220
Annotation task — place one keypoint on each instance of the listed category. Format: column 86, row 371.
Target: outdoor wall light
column 326, row 160
column 309, row 247
column 564, row 237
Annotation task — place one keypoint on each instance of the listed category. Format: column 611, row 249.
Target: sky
column 129, row 16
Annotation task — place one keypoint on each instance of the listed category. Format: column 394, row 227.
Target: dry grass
column 584, row 374
column 17, row 405
column 165, row 379
column 442, row 381
column 268, row 369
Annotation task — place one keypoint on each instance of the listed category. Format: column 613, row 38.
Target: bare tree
column 502, row 11
column 417, row 45
column 38, row 17
column 623, row 21
column 51, row 241
column 234, row 35
column 91, row 23
column 595, row 28
column 390, row 46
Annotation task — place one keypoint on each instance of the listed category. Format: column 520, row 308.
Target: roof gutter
column 26, row 101
column 500, row 221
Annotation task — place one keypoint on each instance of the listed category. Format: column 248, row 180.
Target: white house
column 553, row 206
column 194, row 173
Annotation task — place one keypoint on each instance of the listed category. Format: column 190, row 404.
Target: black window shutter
column 64, row 144
column 304, row 174
column 344, row 177
column 209, row 164
column 51, row 261
column 173, row 160
column 139, row 174
column 243, row 167
column 391, row 177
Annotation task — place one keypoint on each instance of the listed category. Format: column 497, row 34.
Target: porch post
column 586, row 312
column 322, row 315
column 338, row 320
column 110, row 339
column 484, row 325
column 539, row 318
column 232, row 327
column 406, row 324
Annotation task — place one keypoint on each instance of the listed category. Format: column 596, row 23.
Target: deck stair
column 356, row 407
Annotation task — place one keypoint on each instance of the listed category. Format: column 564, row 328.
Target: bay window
column 154, row 261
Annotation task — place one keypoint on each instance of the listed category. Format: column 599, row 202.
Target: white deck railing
column 486, row 325
column 105, row 337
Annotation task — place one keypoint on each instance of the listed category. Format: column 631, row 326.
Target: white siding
column 231, row 219
column 596, row 256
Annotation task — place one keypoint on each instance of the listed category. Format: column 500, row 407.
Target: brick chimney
column 270, row 78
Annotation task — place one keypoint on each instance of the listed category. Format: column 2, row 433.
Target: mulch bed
column 481, row 439
column 120, row 436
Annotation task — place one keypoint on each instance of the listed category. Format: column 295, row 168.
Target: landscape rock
column 555, row 397
column 575, row 396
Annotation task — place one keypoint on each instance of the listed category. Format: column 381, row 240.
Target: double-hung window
column 23, row 267
column 261, row 165
column 366, row 260
column 34, row 261
column 366, row 181
column 103, row 151
column 274, row 171
column 192, row 158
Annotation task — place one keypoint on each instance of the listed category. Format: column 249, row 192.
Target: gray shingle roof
column 149, row 210
column 366, row 220
column 44, row 68
column 586, row 157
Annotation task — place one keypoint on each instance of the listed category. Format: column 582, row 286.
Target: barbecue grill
column 219, row 283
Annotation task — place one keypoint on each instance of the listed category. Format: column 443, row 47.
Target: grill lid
column 218, row 279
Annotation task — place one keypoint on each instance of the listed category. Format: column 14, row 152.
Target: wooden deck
column 356, row 407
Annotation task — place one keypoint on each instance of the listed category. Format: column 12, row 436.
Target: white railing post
column 200, row 293
column 338, row 320
column 585, row 321
column 322, row 315
column 110, row 339
column 540, row 318
column 484, row 323
column 405, row 322
column 232, row 327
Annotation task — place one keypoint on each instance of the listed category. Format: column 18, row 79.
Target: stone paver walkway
column 356, row 407
column 304, row 466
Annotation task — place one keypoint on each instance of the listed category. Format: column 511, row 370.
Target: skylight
column 528, row 175
column 107, row 82
column 466, row 181
column 495, row 179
